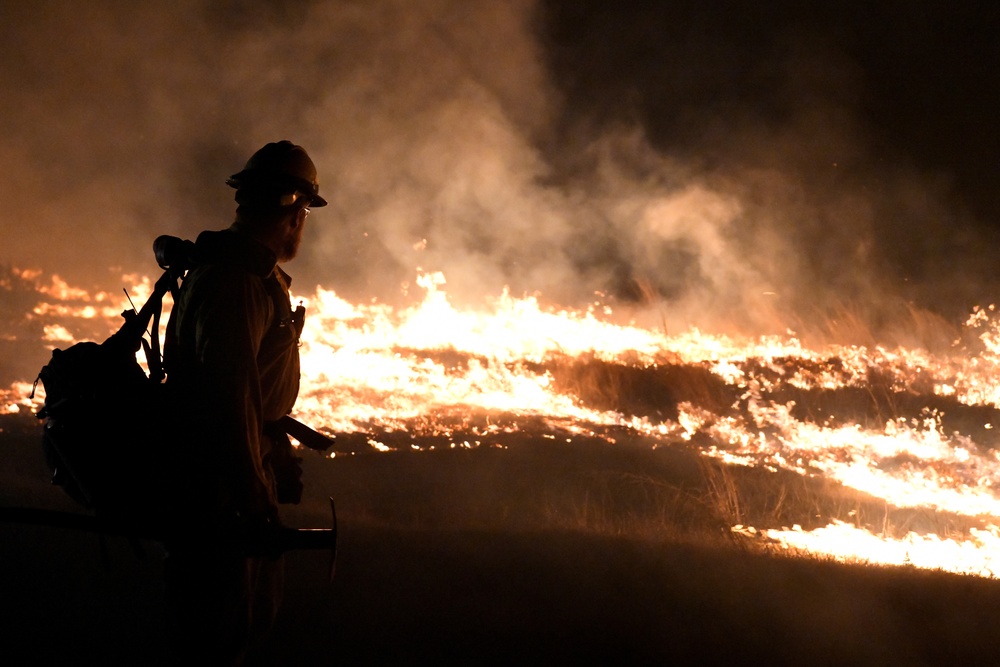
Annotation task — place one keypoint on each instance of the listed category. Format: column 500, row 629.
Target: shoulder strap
column 176, row 256
column 130, row 336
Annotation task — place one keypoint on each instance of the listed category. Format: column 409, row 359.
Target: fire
column 378, row 366
column 433, row 374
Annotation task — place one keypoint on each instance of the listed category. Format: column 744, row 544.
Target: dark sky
column 893, row 102
column 919, row 79
column 736, row 164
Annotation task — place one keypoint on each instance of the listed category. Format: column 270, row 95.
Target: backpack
column 105, row 418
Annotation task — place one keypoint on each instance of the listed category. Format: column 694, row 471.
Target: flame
column 17, row 399
column 369, row 364
column 979, row 554
column 432, row 374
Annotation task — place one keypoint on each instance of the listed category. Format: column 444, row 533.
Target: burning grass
column 671, row 490
column 627, row 489
column 617, row 430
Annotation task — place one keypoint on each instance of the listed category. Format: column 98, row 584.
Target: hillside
column 533, row 553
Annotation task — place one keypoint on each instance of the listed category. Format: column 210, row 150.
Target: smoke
column 504, row 144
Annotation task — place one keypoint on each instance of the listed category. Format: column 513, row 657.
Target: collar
column 283, row 278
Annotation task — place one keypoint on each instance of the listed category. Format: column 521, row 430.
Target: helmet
column 280, row 165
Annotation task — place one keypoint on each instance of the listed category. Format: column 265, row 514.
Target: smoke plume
column 520, row 144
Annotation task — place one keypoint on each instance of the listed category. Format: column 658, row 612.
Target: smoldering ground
column 741, row 168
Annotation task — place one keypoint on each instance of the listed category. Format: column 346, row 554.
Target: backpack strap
column 129, row 338
column 175, row 256
column 154, row 360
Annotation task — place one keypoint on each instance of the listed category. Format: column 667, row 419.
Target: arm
column 231, row 319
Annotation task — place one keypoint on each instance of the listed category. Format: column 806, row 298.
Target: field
column 537, row 552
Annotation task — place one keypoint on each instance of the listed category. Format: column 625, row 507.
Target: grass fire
column 648, row 332
column 864, row 454
column 528, row 420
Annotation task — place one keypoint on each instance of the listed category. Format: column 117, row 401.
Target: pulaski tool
column 250, row 539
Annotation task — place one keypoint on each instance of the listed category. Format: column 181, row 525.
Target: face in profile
column 293, row 235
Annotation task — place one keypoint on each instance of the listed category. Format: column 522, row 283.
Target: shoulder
column 217, row 288
column 228, row 262
column 235, row 250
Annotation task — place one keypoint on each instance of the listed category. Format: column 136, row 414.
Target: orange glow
column 432, row 369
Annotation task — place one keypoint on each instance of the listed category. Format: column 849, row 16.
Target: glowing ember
column 435, row 375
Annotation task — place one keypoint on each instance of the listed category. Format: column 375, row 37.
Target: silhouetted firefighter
column 202, row 460
column 232, row 362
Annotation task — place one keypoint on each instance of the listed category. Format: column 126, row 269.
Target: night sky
column 728, row 164
column 891, row 104
column 919, row 80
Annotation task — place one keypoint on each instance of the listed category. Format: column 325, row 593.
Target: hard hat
column 281, row 165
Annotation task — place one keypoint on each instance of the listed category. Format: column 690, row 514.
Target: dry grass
column 538, row 553
column 669, row 494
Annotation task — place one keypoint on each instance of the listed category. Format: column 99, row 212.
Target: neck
column 270, row 236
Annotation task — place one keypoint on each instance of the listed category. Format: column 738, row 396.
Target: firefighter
column 232, row 361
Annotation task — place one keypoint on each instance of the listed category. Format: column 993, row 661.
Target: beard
column 290, row 247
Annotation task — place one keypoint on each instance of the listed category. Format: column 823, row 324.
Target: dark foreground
column 407, row 594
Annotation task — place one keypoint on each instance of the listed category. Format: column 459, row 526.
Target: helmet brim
column 251, row 178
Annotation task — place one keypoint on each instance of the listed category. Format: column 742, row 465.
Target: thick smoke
column 456, row 136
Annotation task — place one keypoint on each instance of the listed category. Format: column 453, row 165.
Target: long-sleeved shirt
column 233, row 365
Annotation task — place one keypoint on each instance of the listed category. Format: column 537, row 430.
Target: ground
column 410, row 589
